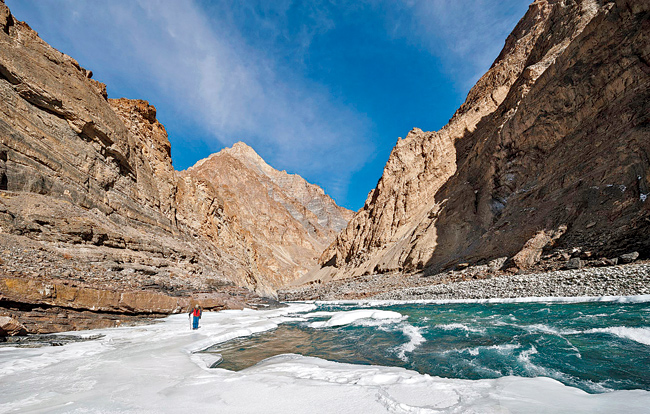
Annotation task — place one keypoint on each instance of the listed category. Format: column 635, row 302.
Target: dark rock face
column 550, row 150
column 89, row 199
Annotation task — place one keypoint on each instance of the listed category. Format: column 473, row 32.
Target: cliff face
column 89, row 197
column 549, row 149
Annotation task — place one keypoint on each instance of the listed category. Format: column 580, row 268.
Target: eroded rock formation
column 549, row 149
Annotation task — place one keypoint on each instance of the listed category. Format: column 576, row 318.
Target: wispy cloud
column 467, row 35
column 235, row 92
column 205, row 71
column 258, row 71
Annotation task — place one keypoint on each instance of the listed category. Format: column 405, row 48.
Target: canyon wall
column 89, row 197
column 549, row 150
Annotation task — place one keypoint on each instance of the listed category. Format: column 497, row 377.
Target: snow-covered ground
column 151, row 369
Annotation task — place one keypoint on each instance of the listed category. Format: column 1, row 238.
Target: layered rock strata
column 89, row 198
column 549, row 150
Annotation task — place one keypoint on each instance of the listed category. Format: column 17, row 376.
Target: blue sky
column 318, row 88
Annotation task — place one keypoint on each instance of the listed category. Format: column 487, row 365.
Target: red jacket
column 196, row 312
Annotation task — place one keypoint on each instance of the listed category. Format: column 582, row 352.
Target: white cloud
column 467, row 35
column 234, row 91
column 206, row 71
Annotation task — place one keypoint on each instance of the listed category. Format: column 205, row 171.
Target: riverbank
column 47, row 288
column 42, row 306
column 621, row 280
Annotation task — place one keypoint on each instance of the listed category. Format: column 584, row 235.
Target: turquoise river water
column 595, row 346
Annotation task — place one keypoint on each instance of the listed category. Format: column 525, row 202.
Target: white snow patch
column 349, row 317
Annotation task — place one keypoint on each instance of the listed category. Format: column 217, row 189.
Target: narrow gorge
column 545, row 166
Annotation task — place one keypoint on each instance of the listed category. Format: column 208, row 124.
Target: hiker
column 195, row 314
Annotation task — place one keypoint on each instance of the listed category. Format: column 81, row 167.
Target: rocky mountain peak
column 329, row 215
column 287, row 220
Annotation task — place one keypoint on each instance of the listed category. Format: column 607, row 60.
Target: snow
column 152, row 369
column 349, row 317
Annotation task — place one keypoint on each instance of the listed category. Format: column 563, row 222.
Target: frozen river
column 396, row 358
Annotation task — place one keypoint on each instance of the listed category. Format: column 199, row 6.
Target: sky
column 320, row 88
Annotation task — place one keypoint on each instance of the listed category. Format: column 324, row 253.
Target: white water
column 640, row 335
column 151, row 369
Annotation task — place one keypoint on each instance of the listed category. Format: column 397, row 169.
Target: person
column 195, row 314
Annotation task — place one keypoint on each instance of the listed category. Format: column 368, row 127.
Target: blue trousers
column 195, row 322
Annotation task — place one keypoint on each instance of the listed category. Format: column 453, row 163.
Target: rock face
column 89, row 197
column 549, row 149
column 52, row 305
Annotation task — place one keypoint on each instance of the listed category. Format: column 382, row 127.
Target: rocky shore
column 46, row 288
column 620, row 280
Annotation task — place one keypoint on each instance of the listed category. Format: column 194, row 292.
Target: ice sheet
column 151, row 369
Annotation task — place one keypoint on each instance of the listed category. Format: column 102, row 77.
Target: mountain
column 285, row 220
column 550, row 150
column 95, row 220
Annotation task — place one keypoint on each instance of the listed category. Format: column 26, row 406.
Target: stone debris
column 621, row 280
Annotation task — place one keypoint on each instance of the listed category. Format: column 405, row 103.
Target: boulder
column 497, row 264
column 573, row 263
column 462, row 266
column 628, row 257
column 531, row 253
column 11, row 327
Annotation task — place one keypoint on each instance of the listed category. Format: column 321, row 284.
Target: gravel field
column 621, row 280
